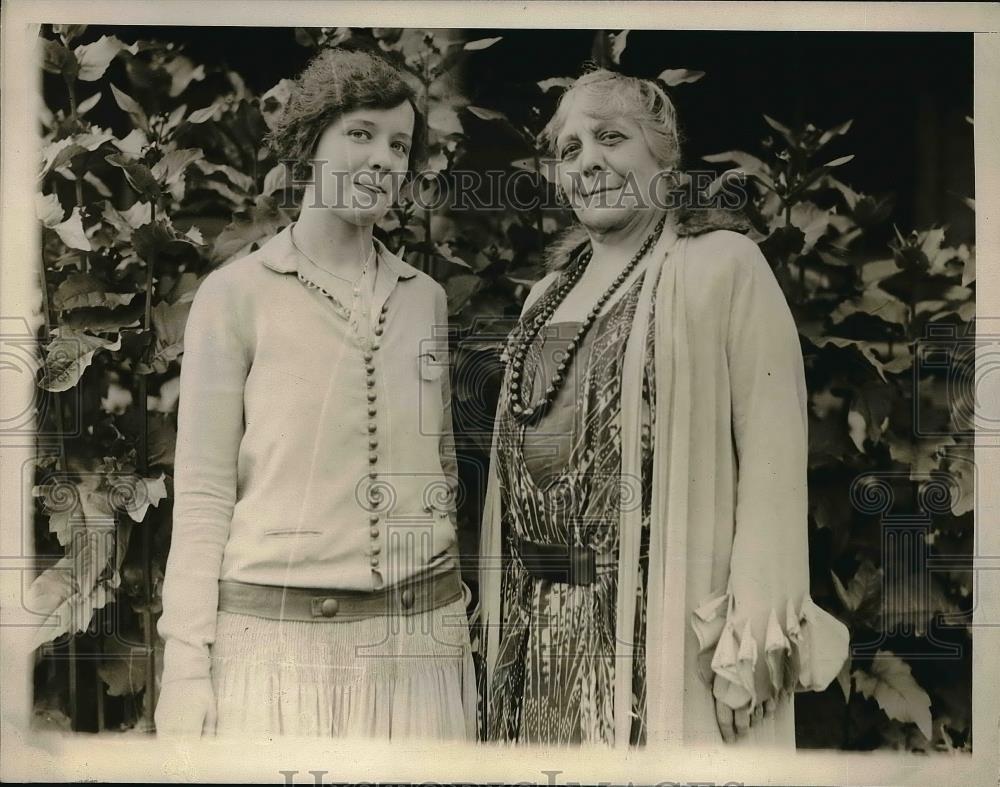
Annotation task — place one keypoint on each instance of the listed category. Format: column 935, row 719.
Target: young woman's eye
column 402, row 148
column 359, row 134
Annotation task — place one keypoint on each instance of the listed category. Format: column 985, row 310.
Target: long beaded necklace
column 524, row 335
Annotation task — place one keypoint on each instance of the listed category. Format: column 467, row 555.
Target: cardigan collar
column 280, row 255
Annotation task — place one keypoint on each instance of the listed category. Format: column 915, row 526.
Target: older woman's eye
column 568, row 151
column 612, row 136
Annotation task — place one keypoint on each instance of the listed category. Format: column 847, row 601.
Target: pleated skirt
column 403, row 677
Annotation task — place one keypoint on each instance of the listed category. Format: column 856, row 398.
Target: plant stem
column 77, row 183
column 143, row 467
column 56, row 398
column 61, row 463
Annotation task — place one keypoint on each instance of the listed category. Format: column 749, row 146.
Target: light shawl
column 728, row 602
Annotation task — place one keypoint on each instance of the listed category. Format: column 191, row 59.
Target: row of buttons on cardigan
column 373, row 499
column 374, row 496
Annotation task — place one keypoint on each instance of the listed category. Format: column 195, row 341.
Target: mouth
column 371, row 188
column 595, row 192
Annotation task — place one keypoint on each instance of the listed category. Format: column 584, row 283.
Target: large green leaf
column 123, row 667
column 868, row 416
column 460, row 289
column 481, row 43
column 961, row 464
column 132, row 107
column 618, row 42
column 863, row 593
column 262, row 221
column 168, row 326
column 83, row 290
column 916, row 600
column 100, row 320
column 59, row 153
column 240, row 180
column 891, row 684
column 553, row 82
column 160, row 236
column 133, row 494
column 66, row 595
column 68, row 355
column 170, row 169
column 865, row 350
column 139, row 176
column 749, row 164
column 70, row 231
column 95, row 58
column 69, row 32
column 679, row 76
column 57, row 59
column 836, row 131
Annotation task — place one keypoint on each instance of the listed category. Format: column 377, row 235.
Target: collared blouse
column 306, row 456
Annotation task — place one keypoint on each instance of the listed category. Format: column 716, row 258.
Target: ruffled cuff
column 804, row 656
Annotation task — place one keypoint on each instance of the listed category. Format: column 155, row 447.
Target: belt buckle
column 582, row 565
column 324, row 606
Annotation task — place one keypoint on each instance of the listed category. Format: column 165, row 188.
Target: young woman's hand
column 735, row 724
column 186, row 708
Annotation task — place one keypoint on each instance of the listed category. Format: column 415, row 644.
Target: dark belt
column 572, row 565
column 411, row 597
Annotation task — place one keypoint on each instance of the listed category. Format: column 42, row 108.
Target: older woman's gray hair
column 609, row 95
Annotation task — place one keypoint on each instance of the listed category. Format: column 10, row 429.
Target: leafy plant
column 890, row 433
column 133, row 217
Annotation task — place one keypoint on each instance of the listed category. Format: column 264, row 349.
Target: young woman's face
column 360, row 161
column 605, row 167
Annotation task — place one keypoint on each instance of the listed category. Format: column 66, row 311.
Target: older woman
column 312, row 586
column 644, row 568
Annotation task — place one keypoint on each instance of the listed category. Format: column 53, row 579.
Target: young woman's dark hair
column 335, row 82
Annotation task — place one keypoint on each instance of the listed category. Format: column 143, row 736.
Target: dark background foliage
column 858, row 152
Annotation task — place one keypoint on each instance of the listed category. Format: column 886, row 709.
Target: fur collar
column 688, row 222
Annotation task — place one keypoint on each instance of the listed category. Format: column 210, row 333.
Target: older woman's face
column 605, row 166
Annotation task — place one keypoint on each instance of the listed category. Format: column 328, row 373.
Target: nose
column 591, row 158
column 380, row 157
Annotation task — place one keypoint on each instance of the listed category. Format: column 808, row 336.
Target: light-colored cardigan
column 728, row 593
column 273, row 444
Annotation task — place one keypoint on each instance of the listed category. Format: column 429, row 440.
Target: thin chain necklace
column 353, row 314
column 524, row 335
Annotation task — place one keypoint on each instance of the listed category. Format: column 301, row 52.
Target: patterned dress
column 560, row 483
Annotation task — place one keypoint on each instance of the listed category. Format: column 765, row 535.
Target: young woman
column 312, row 586
column 648, row 501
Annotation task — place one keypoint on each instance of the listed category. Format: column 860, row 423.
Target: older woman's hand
column 735, row 724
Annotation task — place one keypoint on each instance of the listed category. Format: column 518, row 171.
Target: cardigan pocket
column 290, row 532
column 431, row 399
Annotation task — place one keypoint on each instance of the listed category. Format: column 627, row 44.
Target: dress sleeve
column 764, row 637
column 449, row 460
column 209, row 430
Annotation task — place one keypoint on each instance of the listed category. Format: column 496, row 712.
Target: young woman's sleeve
column 449, row 460
column 209, row 431
column 765, row 636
